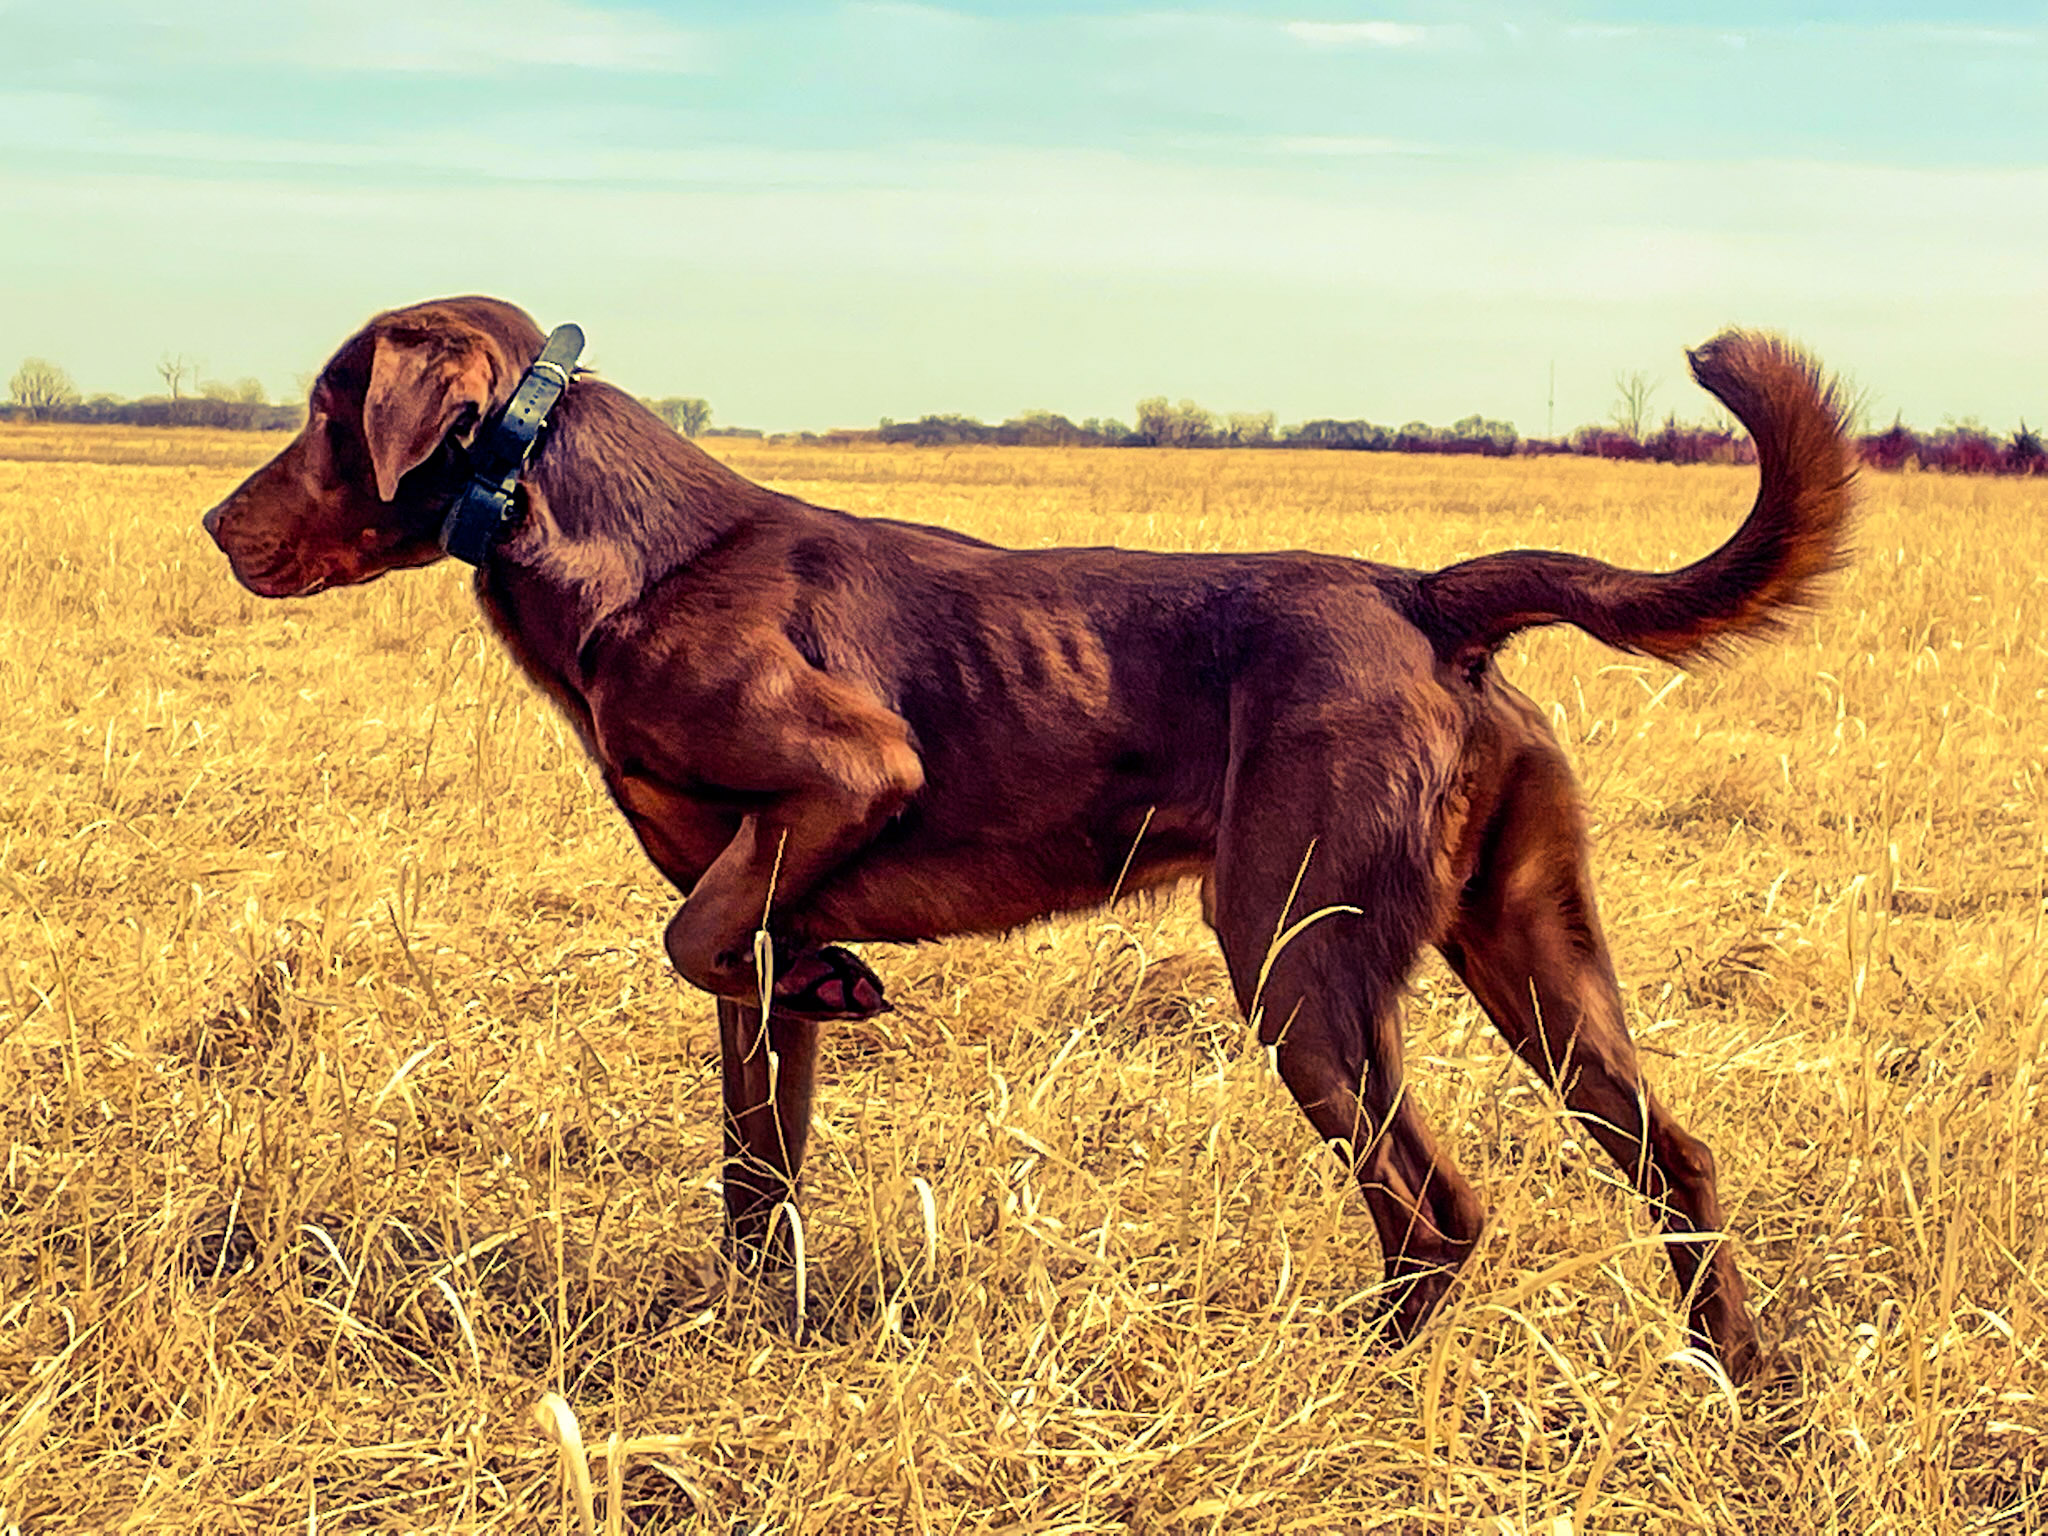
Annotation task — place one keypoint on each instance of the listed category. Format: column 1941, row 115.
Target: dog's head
column 362, row 489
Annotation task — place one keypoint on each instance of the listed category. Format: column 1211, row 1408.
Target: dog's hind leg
column 767, row 1080
column 1328, row 997
column 1527, row 941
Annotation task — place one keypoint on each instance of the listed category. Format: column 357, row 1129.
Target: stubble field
column 348, row 1105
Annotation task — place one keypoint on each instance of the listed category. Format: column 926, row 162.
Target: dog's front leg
column 712, row 940
column 767, row 1077
column 824, row 765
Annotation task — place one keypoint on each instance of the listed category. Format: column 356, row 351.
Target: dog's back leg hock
column 1527, row 941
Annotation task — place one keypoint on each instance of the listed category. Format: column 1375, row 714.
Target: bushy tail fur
column 1793, row 537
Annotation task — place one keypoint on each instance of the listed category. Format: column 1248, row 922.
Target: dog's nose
column 211, row 523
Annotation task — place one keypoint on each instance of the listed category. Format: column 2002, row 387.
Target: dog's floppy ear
column 420, row 391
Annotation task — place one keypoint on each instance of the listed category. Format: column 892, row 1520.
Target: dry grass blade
column 558, row 1421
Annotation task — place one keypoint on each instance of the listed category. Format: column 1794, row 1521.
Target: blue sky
column 820, row 214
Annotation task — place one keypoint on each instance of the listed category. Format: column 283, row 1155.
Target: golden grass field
column 349, row 1104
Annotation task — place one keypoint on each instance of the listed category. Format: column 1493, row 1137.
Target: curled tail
column 1793, row 537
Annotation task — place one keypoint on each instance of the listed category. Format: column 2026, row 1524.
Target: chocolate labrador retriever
column 826, row 728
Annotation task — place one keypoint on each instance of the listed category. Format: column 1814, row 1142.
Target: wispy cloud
column 1980, row 37
column 909, row 10
column 487, row 36
column 1361, row 34
column 445, row 37
column 1343, row 146
column 600, row 149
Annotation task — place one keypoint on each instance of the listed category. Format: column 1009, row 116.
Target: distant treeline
column 1957, row 449
column 42, row 393
column 162, row 411
column 1188, row 425
column 1964, row 450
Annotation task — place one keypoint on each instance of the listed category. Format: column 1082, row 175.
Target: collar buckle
column 484, row 512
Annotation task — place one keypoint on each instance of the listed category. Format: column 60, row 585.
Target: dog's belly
column 922, row 885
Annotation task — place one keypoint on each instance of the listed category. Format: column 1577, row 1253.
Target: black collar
column 483, row 513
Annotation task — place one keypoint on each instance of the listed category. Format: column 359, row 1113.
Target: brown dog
column 853, row 729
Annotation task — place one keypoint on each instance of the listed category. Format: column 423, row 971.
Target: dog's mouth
column 278, row 578
column 276, row 572
column 287, row 580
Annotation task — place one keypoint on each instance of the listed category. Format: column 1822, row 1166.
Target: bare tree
column 172, row 368
column 1632, row 401
column 1251, row 429
column 1186, row 425
column 686, row 413
column 39, row 385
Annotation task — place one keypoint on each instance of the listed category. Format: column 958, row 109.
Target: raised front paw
column 829, row 983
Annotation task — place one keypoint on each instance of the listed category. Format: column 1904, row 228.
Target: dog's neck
column 615, row 502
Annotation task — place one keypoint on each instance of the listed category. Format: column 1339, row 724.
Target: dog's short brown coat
column 873, row 730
